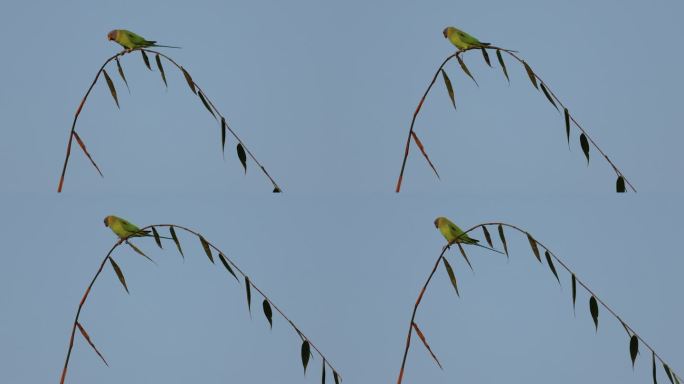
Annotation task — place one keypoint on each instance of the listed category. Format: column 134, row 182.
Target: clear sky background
column 323, row 93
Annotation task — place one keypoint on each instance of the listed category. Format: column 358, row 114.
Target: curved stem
column 243, row 274
column 628, row 328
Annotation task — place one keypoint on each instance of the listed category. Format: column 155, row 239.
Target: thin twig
column 72, row 133
column 243, row 274
column 516, row 57
column 628, row 328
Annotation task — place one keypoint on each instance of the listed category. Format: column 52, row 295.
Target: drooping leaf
column 422, row 150
column 530, row 74
column 248, row 289
column 503, row 239
column 157, row 239
column 223, row 135
column 225, row 263
column 449, row 87
column 533, row 245
column 175, row 240
column 305, row 353
column 189, row 80
column 452, row 276
column 139, row 252
column 487, row 236
column 242, row 156
column 268, row 312
column 486, row 57
column 463, row 253
column 422, row 338
column 633, row 348
column 323, row 374
column 574, row 291
column 146, row 60
column 121, row 73
column 276, row 190
column 550, row 262
column 620, row 185
column 584, row 143
column 567, row 124
column 548, row 95
column 655, row 376
column 112, row 90
column 206, row 105
column 465, row 69
column 119, row 274
column 161, row 69
column 668, row 372
column 593, row 308
column 503, row 64
column 87, row 337
column 206, row 248
column 336, row 377
column 85, row 150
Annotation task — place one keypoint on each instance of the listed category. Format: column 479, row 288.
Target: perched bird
column 123, row 228
column 452, row 233
column 461, row 39
column 130, row 40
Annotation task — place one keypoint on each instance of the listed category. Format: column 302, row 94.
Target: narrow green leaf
column 157, row 239
column 225, row 263
column 161, row 69
column 223, row 134
column 112, row 90
column 550, row 262
column 121, row 73
column 336, row 377
column 465, row 69
column 206, row 105
column 567, row 125
column 463, row 253
column 449, row 88
column 503, row 64
column 533, row 245
column 139, row 252
column 548, row 96
column 206, row 248
column 620, row 185
column 584, row 143
column 146, row 60
column 633, row 348
column 189, row 80
column 119, row 274
column 487, row 236
column 268, row 312
column 249, row 294
column 452, row 276
column 242, row 156
column 486, row 57
column 503, row 239
column 593, row 308
column 305, row 352
column 668, row 372
column 655, row 376
column 530, row 74
column 574, row 291
column 323, row 374
column 175, row 240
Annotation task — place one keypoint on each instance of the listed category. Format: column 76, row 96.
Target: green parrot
column 452, row 233
column 123, row 228
column 130, row 40
column 461, row 39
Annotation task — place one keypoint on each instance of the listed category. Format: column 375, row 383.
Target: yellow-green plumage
column 123, row 228
column 130, row 40
column 461, row 39
column 452, row 233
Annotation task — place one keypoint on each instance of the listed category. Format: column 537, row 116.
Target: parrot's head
column 112, row 35
column 437, row 220
column 445, row 32
column 106, row 221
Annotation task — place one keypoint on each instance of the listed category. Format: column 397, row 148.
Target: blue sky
column 323, row 94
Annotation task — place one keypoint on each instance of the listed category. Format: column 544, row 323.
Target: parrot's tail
column 486, row 44
column 486, row 247
column 165, row 46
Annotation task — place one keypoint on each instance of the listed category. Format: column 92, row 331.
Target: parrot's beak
column 105, row 222
column 444, row 32
column 436, row 220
